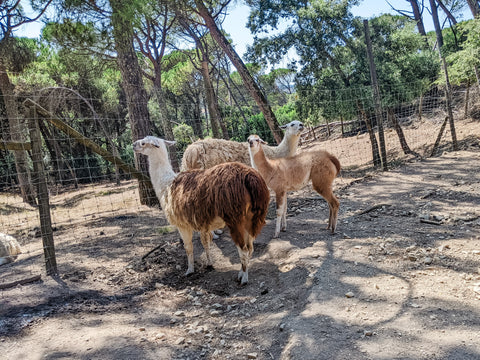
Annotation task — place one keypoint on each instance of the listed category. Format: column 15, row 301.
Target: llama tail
column 335, row 162
column 258, row 190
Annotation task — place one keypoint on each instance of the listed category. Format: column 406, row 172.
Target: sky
column 235, row 23
column 236, row 20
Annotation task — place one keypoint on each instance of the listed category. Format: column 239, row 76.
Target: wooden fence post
column 376, row 96
column 39, row 179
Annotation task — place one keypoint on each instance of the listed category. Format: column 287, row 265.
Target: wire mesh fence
column 86, row 188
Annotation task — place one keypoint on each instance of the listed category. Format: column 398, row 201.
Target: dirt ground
column 399, row 280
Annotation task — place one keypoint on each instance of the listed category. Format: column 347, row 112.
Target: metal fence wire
column 80, row 169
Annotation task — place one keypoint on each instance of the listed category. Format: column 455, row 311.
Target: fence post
column 42, row 194
column 376, row 96
column 448, row 96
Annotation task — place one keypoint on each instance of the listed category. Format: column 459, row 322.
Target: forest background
column 117, row 71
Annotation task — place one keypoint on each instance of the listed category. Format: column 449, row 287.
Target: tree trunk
column 447, row 12
column 467, row 99
column 17, row 131
column 417, row 15
column 167, row 127
column 448, row 95
column 247, row 78
column 197, row 119
column 439, row 136
column 376, row 95
column 61, row 165
column 377, row 162
column 436, row 23
column 233, row 100
column 210, row 98
column 474, row 7
column 135, row 92
column 218, row 130
column 401, row 136
column 477, row 76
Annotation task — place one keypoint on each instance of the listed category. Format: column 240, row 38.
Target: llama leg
column 186, row 235
column 283, row 226
column 334, row 213
column 333, row 206
column 281, row 202
column 245, row 253
column 206, row 239
column 244, row 242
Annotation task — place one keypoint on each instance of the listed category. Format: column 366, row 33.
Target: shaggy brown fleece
column 232, row 191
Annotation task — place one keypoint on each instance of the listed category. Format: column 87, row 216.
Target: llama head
column 151, row 144
column 254, row 142
column 293, row 128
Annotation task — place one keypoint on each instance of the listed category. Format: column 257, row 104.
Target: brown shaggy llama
column 230, row 194
column 293, row 173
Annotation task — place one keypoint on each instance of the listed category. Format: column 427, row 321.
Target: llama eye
column 143, row 144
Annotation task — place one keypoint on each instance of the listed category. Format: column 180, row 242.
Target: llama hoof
column 242, row 277
column 189, row 272
column 218, row 232
column 276, row 235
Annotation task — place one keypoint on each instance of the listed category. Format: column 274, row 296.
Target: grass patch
column 166, row 229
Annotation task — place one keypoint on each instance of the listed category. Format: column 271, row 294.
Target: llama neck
column 289, row 144
column 161, row 173
column 260, row 161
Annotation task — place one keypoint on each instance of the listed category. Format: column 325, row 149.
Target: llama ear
column 263, row 141
column 169, row 142
column 284, row 126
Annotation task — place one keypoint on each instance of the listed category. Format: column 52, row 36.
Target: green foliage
column 258, row 125
column 286, row 113
column 405, row 68
column 71, row 32
column 178, row 70
column 183, row 135
column 17, row 53
column 462, row 62
column 328, row 80
column 7, row 169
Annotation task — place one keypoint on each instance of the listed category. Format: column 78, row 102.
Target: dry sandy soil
column 399, row 280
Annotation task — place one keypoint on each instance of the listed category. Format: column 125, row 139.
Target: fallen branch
column 10, row 145
column 151, row 251
column 430, row 222
column 439, row 137
column 20, row 282
column 375, row 207
column 467, row 219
